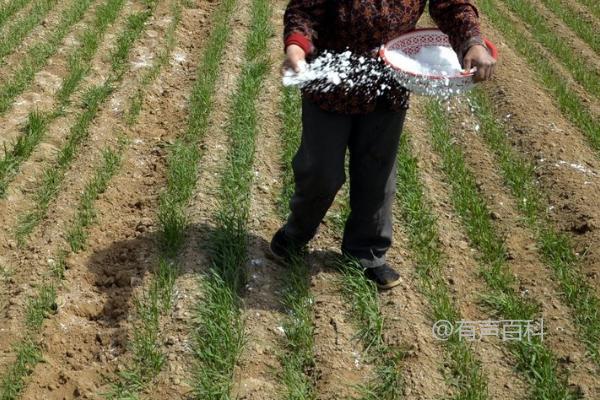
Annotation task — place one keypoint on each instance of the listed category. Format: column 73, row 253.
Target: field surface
column 146, row 165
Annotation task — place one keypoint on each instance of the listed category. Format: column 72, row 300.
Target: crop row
column 93, row 99
column 20, row 28
column 37, row 56
column 8, row 9
column 568, row 102
column 156, row 301
column 29, row 350
column 38, row 122
column 219, row 335
column 584, row 71
column 298, row 359
column 573, row 20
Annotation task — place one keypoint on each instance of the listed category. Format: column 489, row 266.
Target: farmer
column 366, row 122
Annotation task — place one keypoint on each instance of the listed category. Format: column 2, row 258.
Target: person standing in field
column 366, row 123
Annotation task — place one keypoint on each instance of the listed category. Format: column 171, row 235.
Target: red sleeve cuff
column 300, row 40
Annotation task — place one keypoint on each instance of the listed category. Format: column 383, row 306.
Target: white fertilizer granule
column 430, row 60
column 344, row 70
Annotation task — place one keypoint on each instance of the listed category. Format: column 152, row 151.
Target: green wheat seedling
column 219, row 338
column 571, row 18
column 568, row 102
column 94, row 98
column 79, row 63
column 28, row 354
column 20, row 28
column 298, row 361
column 37, row 56
column 77, row 235
column 421, row 224
column 290, row 136
column 592, row 5
column 22, row 149
column 148, row 359
column 37, row 123
column 533, row 358
column 28, row 350
column 554, row 247
column 136, row 100
column 10, row 8
column 37, row 311
column 584, row 72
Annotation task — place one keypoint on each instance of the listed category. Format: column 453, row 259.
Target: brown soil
column 40, row 95
column 461, row 267
column 97, row 299
column 554, row 22
column 32, row 261
column 552, row 144
column 579, row 48
column 536, row 280
column 86, row 342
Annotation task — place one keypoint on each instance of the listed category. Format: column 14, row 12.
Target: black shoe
column 383, row 276
column 284, row 248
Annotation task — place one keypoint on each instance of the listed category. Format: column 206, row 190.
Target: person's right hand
column 295, row 58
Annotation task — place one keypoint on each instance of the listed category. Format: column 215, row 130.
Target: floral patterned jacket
column 361, row 26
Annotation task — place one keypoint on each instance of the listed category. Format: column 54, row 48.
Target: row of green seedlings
column 219, row 335
column 10, row 8
column 21, row 27
column 79, row 65
column 29, row 349
column 534, row 358
column 593, row 6
column 573, row 20
column 422, row 229
column 583, row 70
column 554, row 246
column 182, row 174
column 363, row 297
column 93, row 99
column 37, row 56
column 298, row 360
column 136, row 100
column 570, row 105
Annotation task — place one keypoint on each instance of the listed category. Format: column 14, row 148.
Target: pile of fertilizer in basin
column 429, row 61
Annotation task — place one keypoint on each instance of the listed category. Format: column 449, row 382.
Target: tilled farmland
column 146, row 165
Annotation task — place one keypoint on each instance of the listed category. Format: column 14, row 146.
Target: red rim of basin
column 490, row 46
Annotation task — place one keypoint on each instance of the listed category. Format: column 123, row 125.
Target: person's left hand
column 478, row 56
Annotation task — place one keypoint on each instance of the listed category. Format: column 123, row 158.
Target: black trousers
column 372, row 140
